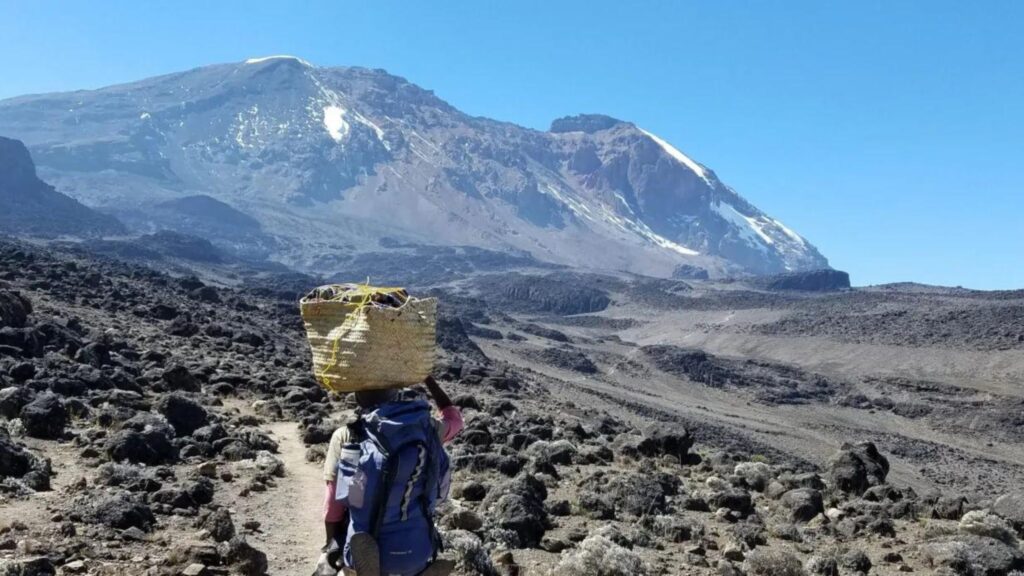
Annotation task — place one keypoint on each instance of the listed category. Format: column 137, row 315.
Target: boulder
column 183, row 327
column 242, row 557
column 13, row 399
column 269, row 464
column 151, row 446
column 206, row 294
column 559, row 508
column 464, row 520
column 209, row 433
column 855, row 468
column 131, row 478
column 14, row 459
column 733, row 499
column 18, row 462
column 184, row 415
column 518, row 507
column 174, row 497
column 94, row 354
column 690, row 272
column 45, row 417
column 163, row 312
column 949, row 507
column 825, row 280
column 854, row 562
column 467, row 402
column 184, row 553
column 41, row 566
column 218, row 330
column 248, row 338
column 118, row 510
column 632, row 494
column 14, row 309
column 23, row 371
column 803, row 504
column 178, row 377
column 219, row 524
column 557, row 452
column 200, row 490
column 674, row 442
column 471, row 491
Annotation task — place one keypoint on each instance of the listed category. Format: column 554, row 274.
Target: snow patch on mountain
column 747, row 227
column 645, row 231
column 573, row 204
column 278, row 57
column 630, row 225
column 369, row 124
column 335, row 113
column 792, row 235
column 683, row 158
column 334, row 121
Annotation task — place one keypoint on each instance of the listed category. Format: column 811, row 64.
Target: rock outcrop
column 31, row 207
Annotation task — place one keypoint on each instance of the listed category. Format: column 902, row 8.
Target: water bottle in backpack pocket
column 350, row 486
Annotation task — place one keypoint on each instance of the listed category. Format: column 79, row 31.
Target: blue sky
column 889, row 133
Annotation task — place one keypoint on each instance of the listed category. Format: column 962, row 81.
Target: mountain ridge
column 330, row 160
column 30, row 206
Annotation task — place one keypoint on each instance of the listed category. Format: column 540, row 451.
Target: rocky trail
column 292, row 515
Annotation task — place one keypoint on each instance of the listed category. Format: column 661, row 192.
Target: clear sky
column 888, row 132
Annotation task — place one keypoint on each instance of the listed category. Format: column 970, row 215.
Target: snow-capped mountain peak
column 331, row 160
column 675, row 153
column 278, row 57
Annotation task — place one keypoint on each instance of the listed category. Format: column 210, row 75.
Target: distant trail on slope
column 292, row 520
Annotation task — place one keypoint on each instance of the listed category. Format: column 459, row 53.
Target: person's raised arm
column 451, row 417
column 440, row 397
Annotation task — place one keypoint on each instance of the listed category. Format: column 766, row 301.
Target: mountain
column 206, row 217
column 29, row 206
column 316, row 165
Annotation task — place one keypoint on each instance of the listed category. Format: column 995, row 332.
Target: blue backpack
column 391, row 476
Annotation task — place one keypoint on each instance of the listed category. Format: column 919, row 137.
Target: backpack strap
column 433, row 471
column 380, row 507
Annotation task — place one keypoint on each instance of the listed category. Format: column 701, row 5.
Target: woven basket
column 359, row 347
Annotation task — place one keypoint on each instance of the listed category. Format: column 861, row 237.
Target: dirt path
column 290, row 514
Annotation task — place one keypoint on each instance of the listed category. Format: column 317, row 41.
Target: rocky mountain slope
column 159, row 425
column 277, row 157
column 31, row 207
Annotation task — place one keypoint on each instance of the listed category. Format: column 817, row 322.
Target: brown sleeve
column 338, row 440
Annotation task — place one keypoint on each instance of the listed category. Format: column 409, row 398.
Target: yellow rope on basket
column 366, row 293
